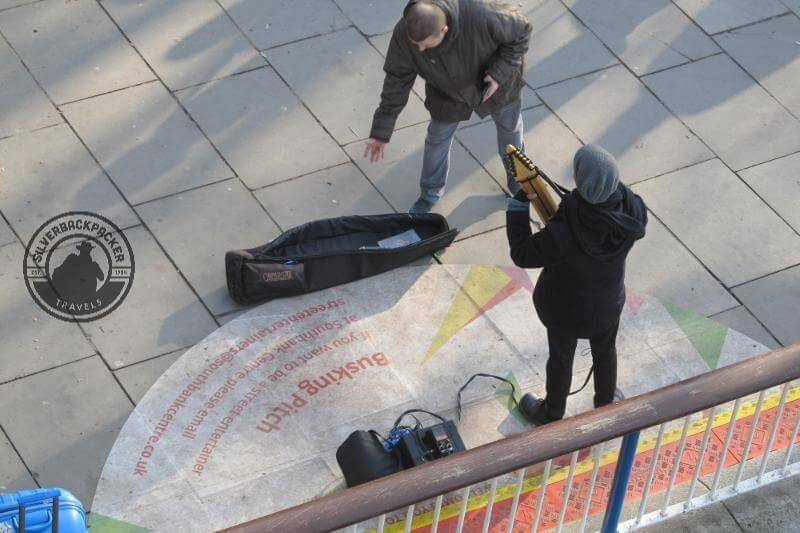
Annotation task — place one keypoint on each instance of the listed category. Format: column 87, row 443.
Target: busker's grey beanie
column 596, row 173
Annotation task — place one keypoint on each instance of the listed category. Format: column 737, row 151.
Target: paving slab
column 344, row 64
column 81, row 407
column 372, row 17
column 737, row 119
column 473, row 202
column 146, row 143
column 6, row 235
column 773, row 300
column 73, row 49
column 547, row 141
column 185, row 41
column 647, row 35
column 138, row 378
column 48, row 172
column 261, row 128
column 777, row 183
column 13, row 474
column 160, row 315
column 630, row 123
column 335, row 192
column 27, row 329
column 714, row 518
column 490, row 248
column 771, row 508
column 284, row 21
column 741, row 320
column 714, row 16
column 769, row 52
column 560, row 46
column 23, row 105
column 735, row 248
column 197, row 227
column 660, row 265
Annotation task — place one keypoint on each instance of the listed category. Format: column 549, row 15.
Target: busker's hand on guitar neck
column 374, row 150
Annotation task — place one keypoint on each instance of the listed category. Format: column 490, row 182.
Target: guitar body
column 528, row 175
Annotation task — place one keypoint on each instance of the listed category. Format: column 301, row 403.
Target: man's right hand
column 374, row 150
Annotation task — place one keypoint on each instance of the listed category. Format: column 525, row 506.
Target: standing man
column 581, row 289
column 471, row 55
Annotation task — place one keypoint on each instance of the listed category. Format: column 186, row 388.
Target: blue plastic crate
column 38, row 514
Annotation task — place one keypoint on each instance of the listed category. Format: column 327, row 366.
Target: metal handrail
column 534, row 445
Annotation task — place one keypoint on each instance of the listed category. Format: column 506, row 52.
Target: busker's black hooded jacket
column 483, row 37
column 581, row 289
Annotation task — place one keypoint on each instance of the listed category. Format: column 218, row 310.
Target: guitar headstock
column 519, row 165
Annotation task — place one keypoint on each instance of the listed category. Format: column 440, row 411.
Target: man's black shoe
column 534, row 410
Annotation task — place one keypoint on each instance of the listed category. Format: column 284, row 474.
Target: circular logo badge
column 78, row 266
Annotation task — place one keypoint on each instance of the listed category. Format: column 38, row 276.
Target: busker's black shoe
column 534, row 410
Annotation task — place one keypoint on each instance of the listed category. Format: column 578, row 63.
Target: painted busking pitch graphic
column 247, row 422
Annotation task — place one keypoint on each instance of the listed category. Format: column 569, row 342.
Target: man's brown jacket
column 483, row 37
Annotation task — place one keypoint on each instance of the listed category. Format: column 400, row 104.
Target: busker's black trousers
column 559, row 368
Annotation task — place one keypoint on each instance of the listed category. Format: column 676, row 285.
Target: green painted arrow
column 706, row 335
column 106, row 524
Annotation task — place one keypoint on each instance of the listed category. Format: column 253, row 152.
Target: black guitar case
column 329, row 252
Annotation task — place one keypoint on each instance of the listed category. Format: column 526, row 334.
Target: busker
column 580, row 292
column 471, row 55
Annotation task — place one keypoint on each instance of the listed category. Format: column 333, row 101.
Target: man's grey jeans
column 436, row 159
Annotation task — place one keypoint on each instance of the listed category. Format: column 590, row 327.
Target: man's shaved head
column 424, row 20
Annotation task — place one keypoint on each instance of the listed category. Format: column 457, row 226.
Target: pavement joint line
column 23, row 132
column 184, row 191
column 107, row 365
column 165, row 354
column 104, row 93
column 677, row 169
column 753, row 23
column 767, row 161
column 304, row 175
column 308, row 38
column 220, row 78
column 659, row 71
column 759, row 278
column 35, row 478
column 3, row 10
column 462, row 239
column 575, row 77
column 55, row 367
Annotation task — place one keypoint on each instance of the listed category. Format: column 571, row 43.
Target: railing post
column 622, row 473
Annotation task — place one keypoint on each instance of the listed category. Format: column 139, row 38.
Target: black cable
column 480, row 374
column 588, row 377
column 560, row 189
column 399, row 418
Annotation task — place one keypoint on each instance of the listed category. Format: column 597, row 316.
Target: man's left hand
column 493, row 86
